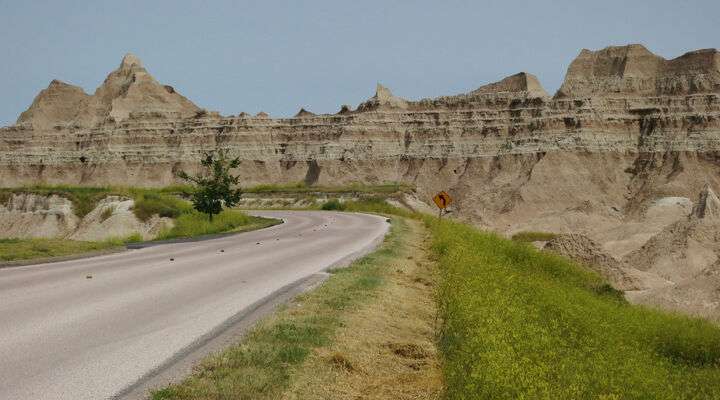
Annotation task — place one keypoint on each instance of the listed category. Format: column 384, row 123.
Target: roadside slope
column 520, row 323
column 367, row 330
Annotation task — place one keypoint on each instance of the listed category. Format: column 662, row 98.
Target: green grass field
column 193, row 223
column 26, row 249
column 522, row 324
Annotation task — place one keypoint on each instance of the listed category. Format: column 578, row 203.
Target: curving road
column 64, row 335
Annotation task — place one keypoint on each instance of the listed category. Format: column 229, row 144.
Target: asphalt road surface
column 91, row 328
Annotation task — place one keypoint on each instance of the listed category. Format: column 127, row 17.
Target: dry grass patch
column 266, row 362
column 385, row 349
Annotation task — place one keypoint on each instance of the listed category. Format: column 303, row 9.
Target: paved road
column 64, row 336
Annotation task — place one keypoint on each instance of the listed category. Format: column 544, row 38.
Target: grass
column 376, row 205
column 193, row 223
column 385, row 348
column 523, row 324
column 332, row 205
column 26, row 249
column 532, row 236
column 84, row 199
column 261, row 366
column 300, row 187
column 107, row 213
column 148, row 203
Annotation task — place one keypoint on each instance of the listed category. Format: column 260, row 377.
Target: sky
column 279, row 56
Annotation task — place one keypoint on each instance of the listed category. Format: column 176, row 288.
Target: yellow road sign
column 442, row 200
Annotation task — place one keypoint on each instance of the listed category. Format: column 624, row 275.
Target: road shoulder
column 385, row 348
column 285, row 352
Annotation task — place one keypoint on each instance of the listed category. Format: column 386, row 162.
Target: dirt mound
column 699, row 296
column 685, row 248
column 33, row 216
column 113, row 218
column 589, row 253
column 687, row 254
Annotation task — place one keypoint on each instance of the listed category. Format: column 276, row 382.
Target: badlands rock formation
column 618, row 154
column 27, row 215
column 126, row 91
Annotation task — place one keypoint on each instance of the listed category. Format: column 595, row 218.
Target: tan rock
column 383, row 99
column 518, row 83
column 59, row 104
column 708, row 205
column 633, row 70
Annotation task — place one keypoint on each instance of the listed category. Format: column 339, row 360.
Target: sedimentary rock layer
column 626, row 126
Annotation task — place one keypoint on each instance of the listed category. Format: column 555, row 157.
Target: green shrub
column 148, row 204
column 521, row 323
column 4, row 197
column 106, row 213
column 195, row 223
column 134, row 238
column 333, row 205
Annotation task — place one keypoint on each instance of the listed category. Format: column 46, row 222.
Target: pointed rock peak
column 262, row 114
column 612, row 71
column 56, row 83
column 345, row 109
column 130, row 89
column 383, row 99
column 304, row 113
column 130, row 60
column 521, row 82
column 382, row 93
column 708, row 205
column 58, row 104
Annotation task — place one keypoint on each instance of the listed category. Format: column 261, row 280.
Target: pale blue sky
column 278, row 56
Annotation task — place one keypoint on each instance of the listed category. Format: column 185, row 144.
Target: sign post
column 442, row 200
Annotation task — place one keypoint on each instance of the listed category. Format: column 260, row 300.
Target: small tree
column 214, row 186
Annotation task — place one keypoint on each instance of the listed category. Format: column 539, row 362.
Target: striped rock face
column 627, row 127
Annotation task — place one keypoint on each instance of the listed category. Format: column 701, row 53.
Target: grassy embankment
column 520, row 323
column 164, row 202
column 26, row 249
